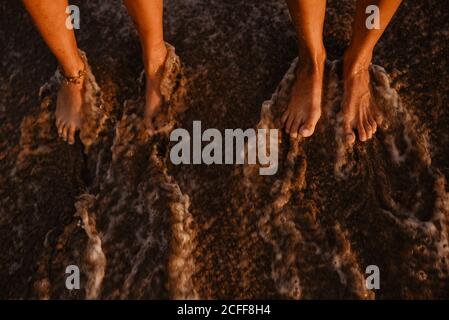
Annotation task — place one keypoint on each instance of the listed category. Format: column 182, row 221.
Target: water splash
column 95, row 258
column 306, row 214
column 136, row 193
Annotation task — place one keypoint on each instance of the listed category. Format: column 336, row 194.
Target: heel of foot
column 94, row 115
column 172, row 70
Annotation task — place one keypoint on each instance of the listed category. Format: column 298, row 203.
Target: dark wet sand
column 219, row 232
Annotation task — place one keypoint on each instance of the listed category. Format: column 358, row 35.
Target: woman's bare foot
column 68, row 107
column 304, row 108
column 154, row 66
column 359, row 110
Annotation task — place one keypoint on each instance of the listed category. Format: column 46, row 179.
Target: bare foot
column 154, row 66
column 68, row 109
column 359, row 110
column 304, row 108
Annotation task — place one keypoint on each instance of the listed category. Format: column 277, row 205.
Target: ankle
column 355, row 62
column 154, row 59
column 73, row 67
column 312, row 60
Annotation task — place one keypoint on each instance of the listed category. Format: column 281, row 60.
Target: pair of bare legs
column 359, row 112
column 50, row 18
column 304, row 109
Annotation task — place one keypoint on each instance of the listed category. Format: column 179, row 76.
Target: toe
column 149, row 127
column 348, row 133
column 361, row 131
column 284, row 118
column 367, row 126
column 295, row 128
column 150, row 131
column 368, row 131
column 71, row 134
column 60, row 128
column 289, row 123
column 64, row 132
column 160, row 121
column 373, row 125
column 307, row 129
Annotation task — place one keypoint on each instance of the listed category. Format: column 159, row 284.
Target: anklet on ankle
column 75, row 79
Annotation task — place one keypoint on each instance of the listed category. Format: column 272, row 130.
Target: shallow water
column 139, row 227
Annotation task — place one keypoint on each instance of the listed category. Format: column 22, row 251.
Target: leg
column 148, row 17
column 304, row 109
column 359, row 111
column 50, row 17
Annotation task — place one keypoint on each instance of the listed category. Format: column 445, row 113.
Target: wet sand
column 140, row 227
